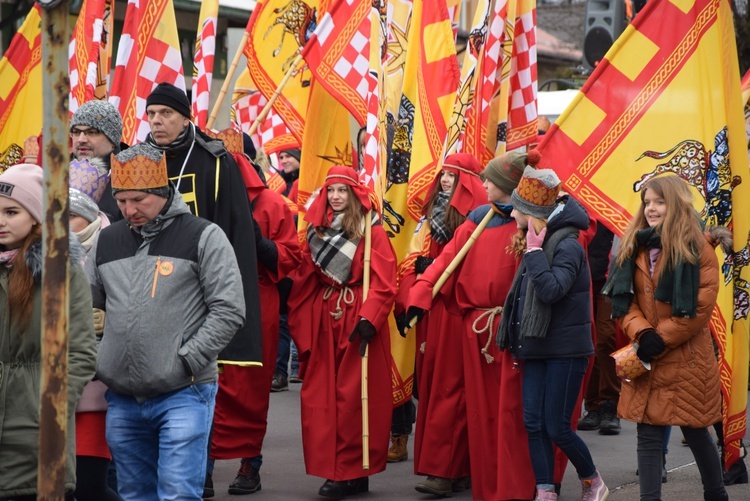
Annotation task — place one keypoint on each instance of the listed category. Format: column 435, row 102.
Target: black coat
column 566, row 284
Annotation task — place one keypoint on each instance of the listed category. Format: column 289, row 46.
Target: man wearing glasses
column 95, row 132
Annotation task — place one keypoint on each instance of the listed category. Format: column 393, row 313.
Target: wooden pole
column 53, row 403
column 459, row 257
column 275, row 96
column 365, row 394
column 227, row 80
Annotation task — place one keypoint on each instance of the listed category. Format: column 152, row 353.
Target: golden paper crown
column 139, row 173
column 232, row 140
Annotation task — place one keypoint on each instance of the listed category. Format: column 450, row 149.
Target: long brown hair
column 352, row 221
column 453, row 218
column 21, row 282
column 680, row 229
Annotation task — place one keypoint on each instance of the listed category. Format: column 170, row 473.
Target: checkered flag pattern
column 522, row 114
column 144, row 61
column 83, row 53
column 275, row 136
column 203, row 72
column 245, row 109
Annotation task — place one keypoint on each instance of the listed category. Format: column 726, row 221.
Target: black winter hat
column 169, row 95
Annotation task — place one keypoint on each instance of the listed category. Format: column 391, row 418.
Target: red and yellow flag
column 148, row 54
column 84, row 53
column 21, row 90
column 666, row 101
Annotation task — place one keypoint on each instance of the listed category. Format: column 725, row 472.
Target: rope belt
column 345, row 294
column 488, row 314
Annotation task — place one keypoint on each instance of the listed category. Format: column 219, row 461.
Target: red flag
column 203, row 64
column 83, row 53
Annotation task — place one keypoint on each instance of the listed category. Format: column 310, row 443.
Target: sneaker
column 208, row 487
column 590, row 421
column 594, row 489
column 609, row 422
column 279, row 383
column 247, row 480
column 398, row 451
column 437, row 486
column 542, row 495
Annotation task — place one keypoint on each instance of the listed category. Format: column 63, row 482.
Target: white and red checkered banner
column 148, row 54
column 83, row 53
column 275, row 136
column 522, row 114
column 246, row 108
column 203, row 61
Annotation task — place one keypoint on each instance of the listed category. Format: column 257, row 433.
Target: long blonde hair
column 680, row 231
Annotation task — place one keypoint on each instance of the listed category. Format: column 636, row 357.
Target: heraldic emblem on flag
column 666, row 101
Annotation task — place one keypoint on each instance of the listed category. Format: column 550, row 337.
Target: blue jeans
column 160, row 446
column 285, row 339
column 550, row 391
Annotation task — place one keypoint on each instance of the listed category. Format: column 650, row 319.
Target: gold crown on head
column 232, row 140
column 139, row 173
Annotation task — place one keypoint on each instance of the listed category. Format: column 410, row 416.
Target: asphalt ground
column 283, row 473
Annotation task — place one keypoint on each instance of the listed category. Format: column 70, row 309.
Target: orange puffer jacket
column 683, row 385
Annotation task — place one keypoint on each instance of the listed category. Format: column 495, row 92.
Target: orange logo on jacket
column 166, row 268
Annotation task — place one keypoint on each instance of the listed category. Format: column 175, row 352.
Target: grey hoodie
column 173, row 296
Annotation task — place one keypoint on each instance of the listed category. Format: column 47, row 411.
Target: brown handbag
column 627, row 364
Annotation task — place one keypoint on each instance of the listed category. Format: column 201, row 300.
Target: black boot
column 737, row 473
column 331, row 489
column 610, row 423
column 591, row 421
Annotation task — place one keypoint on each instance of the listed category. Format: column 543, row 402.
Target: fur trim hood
column 34, row 256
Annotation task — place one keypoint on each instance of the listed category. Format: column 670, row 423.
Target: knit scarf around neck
column 333, row 252
column 438, row 229
column 182, row 142
column 677, row 286
column 6, row 257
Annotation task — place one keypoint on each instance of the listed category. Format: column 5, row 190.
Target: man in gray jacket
column 172, row 292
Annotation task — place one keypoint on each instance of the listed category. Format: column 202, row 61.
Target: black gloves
column 265, row 249
column 650, row 345
column 421, row 264
column 401, row 324
column 366, row 332
column 413, row 317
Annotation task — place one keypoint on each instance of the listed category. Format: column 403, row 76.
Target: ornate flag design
column 632, row 121
column 84, row 53
column 203, row 64
column 148, row 54
column 21, row 90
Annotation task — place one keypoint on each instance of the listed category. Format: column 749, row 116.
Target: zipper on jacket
column 156, row 276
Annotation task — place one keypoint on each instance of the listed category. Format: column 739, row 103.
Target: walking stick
column 365, row 402
column 460, row 256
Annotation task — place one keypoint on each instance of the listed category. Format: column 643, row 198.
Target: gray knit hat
column 536, row 193
column 102, row 116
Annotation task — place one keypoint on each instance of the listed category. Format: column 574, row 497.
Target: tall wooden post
column 53, row 409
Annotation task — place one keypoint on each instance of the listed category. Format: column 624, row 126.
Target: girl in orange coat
column 332, row 326
column 664, row 288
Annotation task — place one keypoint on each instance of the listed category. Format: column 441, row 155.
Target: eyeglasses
column 88, row 132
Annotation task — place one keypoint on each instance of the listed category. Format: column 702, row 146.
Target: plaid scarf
column 439, row 231
column 333, row 252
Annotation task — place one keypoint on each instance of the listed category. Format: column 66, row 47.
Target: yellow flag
column 666, row 101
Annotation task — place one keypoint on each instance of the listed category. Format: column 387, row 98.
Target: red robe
column 243, row 396
column 331, row 397
column 500, row 468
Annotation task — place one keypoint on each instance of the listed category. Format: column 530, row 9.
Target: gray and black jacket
column 173, row 296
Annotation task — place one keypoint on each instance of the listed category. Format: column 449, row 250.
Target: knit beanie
column 140, row 168
column 536, row 193
column 99, row 115
column 294, row 152
column 169, row 95
column 506, row 170
column 87, row 184
column 23, row 183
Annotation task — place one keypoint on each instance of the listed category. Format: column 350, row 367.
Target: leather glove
column 421, row 264
column 99, row 316
column 533, row 240
column 265, row 249
column 413, row 313
column 650, row 344
column 401, row 324
column 366, row 332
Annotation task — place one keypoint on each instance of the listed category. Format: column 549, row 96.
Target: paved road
column 283, row 474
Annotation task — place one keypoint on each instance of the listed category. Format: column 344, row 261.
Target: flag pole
column 460, row 256
column 365, row 397
column 227, row 79
column 275, row 96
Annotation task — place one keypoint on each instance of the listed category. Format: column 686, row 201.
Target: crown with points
column 140, row 167
column 231, row 138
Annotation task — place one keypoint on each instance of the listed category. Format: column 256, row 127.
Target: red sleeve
column 305, row 284
column 277, row 224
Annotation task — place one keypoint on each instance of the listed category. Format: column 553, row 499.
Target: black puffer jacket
column 566, row 284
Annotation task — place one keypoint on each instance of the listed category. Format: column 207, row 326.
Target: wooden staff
column 275, row 96
column 228, row 79
column 365, row 402
column 459, row 257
